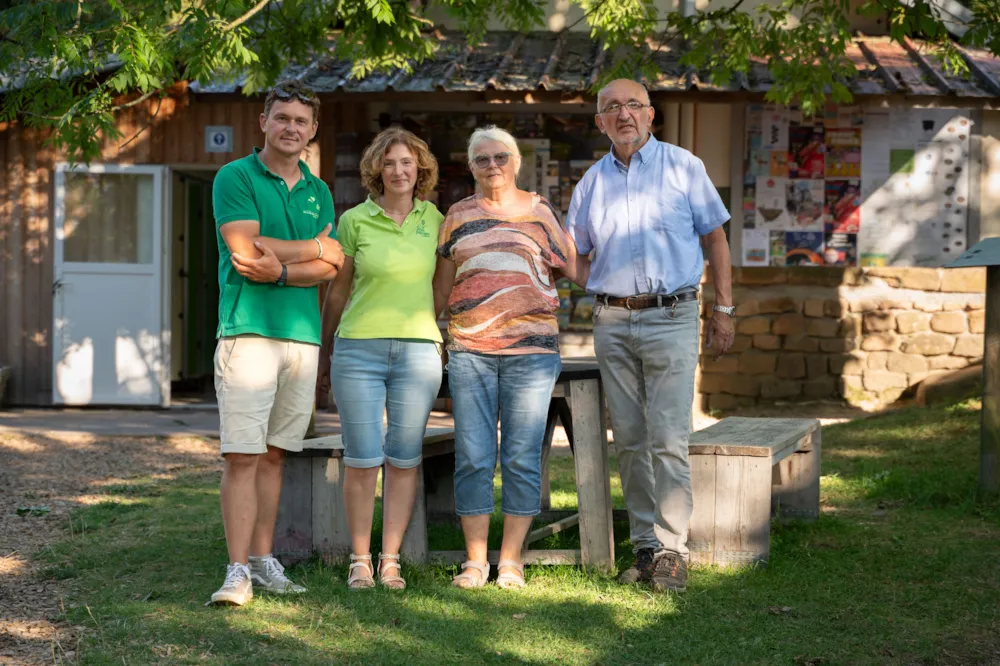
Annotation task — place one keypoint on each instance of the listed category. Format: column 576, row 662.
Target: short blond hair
column 494, row 133
column 373, row 160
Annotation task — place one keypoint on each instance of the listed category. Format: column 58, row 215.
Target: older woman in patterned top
column 498, row 251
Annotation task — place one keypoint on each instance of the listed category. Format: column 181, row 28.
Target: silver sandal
column 394, row 581
column 508, row 580
column 467, row 581
column 357, row 580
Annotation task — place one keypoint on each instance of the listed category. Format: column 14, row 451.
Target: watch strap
column 725, row 309
column 283, row 279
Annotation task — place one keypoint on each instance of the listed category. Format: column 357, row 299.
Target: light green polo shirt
column 245, row 189
column 392, row 296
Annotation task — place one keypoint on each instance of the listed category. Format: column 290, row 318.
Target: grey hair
column 494, row 133
column 604, row 91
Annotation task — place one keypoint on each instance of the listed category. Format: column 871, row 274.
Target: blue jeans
column 400, row 378
column 516, row 390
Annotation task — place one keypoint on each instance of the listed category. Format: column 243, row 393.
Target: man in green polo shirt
column 274, row 222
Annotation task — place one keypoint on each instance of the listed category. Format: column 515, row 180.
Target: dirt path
column 58, row 472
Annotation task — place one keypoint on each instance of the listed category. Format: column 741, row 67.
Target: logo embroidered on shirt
column 422, row 230
column 311, row 212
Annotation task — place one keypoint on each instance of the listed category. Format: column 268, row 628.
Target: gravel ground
column 58, row 471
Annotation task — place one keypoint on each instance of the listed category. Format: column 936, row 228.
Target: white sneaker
column 267, row 574
column 237, row 590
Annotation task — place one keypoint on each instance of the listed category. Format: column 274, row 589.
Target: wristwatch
column 725, row 309
column 284, row 276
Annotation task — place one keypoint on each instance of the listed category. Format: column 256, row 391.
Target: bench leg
column 293, row 533
column 593, row 485
column 795, row 491
column 742, row 510
column 439, row 486
column 331, row 537
column 414, row 547
column 701, row 533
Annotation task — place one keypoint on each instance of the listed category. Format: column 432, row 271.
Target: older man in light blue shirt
column 645, row 210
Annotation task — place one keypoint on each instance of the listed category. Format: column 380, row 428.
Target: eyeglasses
column 633, row 107
column 305, row 96
column 483, row 161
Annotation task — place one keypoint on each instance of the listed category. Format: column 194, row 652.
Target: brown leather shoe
column 641, row 571
column 670, row 573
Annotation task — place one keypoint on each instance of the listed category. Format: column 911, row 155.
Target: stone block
column 802, row 343
column 850, row 384
column 823, row 276
column 923, row 279
column 741, row 343
column 947, row 362
column 889, row 396
column 791, row 366
column 977, row 321
column 823, row 328
column 850, row 326
column 759, row 275
column 747, row 309
column 767, row 341
column 834, row 345
column 864, row 305
column 757, row 363
column 753, row 325
column 772, row 388
column 880, row 342
column 906, row 363
column 949, row 386
column 722, row 402
column 726, row 364
column 964, row 280
column 878, row 381
column 712, row 383
column 838, row 308
column 949, row 322
column 742, row 385
column 821, row 387
column 816, row 365
column 789, row 324
column 928, row 344
column 912, row 322
column 970, row 345
column 777, row 305
column 975, row 301
column 893, row 304
column 847, row 364
column 927, row 304
column 814, row 308
column 952, row 306
column 877, row 360
column 877, row 322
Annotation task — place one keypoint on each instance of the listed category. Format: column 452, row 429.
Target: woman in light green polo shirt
column 387, row 351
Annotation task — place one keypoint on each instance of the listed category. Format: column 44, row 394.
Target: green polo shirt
column 393, row 296
column 245, row 189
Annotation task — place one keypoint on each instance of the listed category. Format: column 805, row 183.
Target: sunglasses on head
column 483, row 161
column 306, row 96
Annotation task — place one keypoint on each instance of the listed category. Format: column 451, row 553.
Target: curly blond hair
column 372, row 161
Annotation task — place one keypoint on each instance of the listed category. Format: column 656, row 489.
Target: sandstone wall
column 863, row 335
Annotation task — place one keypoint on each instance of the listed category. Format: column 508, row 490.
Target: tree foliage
column 70, row 65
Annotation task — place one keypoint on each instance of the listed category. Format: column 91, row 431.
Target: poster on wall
column 804, row 248
column 807, row 151
column 771, row 203
column 776, row 254
column 843, row 152
column 916, row 187
column 840, row 249
column 805, row 205
column 756, row 243
column 843, row 206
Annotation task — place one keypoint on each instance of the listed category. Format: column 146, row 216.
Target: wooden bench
column 743, row 472
column 311, row 513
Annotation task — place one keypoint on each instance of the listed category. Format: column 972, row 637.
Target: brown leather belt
column 644, row 301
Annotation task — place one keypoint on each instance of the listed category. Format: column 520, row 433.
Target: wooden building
column 109, row 291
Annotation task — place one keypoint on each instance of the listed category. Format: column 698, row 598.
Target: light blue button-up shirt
column 645, row 220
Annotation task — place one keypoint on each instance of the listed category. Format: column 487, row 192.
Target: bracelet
column 320, row 248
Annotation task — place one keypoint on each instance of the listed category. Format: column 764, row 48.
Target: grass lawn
column 902, row 568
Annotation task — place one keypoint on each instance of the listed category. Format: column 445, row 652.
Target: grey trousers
column 648, row 360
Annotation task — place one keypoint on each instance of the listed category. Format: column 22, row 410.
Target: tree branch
column 159, row 102
column 140, row 100
column 246, row 17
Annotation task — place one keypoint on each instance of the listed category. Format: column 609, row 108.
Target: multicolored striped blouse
column 504, row 299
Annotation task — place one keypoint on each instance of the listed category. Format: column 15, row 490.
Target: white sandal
column 356, row 580
column 508, row 580
column 393, row 582
column 467, row 581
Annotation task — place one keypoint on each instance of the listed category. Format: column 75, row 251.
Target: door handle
column 57, row 284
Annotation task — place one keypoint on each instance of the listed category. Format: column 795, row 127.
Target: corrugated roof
column 572, row 61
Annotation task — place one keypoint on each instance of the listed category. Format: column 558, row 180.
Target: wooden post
column 593, row 485
column 989, row 451
column 414, row 546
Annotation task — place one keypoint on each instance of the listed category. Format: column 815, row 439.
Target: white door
column 111, row 340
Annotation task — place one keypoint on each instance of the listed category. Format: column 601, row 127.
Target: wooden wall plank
column 31, row 268
column 5, row 232
column 45, row 235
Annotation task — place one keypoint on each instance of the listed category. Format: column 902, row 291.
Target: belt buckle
column 628, row 303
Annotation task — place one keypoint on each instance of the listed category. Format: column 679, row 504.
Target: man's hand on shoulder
column 333, row 254
column 265, row 269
